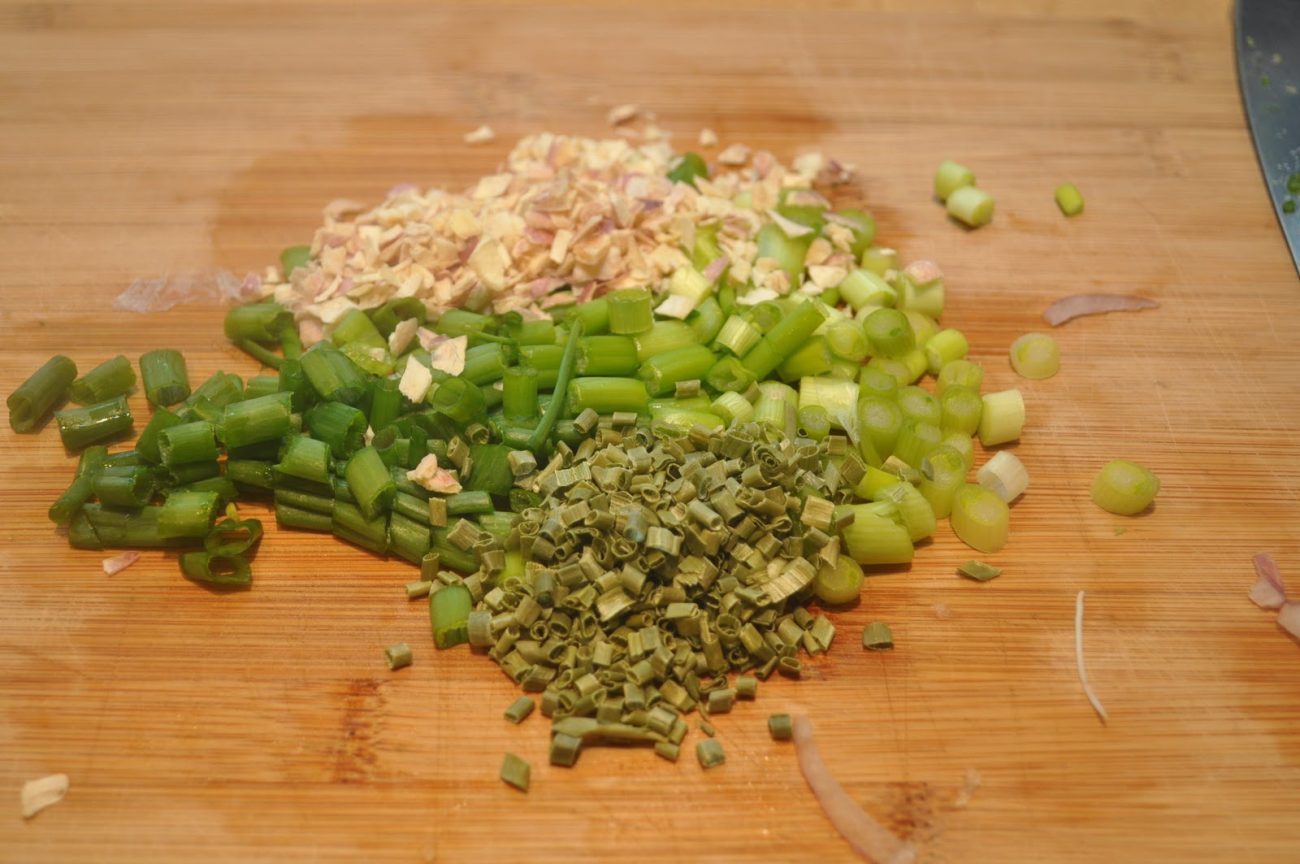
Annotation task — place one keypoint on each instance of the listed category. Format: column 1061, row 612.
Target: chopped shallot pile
column 566, row 219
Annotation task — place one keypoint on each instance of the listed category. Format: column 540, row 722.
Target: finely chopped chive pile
column 622, row 502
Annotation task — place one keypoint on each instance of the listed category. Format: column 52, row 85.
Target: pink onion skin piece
column 118, row 563
column 1078, row 305
column 871, row 840
column 1289, row 619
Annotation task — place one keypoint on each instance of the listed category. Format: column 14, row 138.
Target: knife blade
column 1268, row 71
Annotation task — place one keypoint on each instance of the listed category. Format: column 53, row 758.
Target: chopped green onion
column 113, row 377
column 971, row 205
column 662, row 372
column 738, row 335
column 916, row 440
column 877, row 636
column 259, row 322
column 221, row 570
column 1002, row 417
column 979, row 571
column 889, row 333
column 780, row 727
column 256, row 421
column 1069, row 199
column 1035, row 356
column 187, row 514
column 944, row 347
column 629, row 311
column 166, row 380
column 879, row 260
column 960, row 410
column 515, row 772
column 124, row 486
column 519, row 710
column 840, row 582
column 864, row 229
column 950, row 177
column 881, row 421
column 687, row 168
column 397, row 656
column 449, row 615
column 814, row 422
column 728, row 375
column 371, row 483
column 943, row 472
column 547, row 424
column 607, row 395
column 188, row 443
column 1004, row 475
column 519, row 390
column 962, row 373
column 306, row 459
column 341, row 426
column 913, row 508
column 710, row 754
column 707, row 320
column 872, row 381
column 668, row 750
column 811, row 359
column 980, row 518
column 788, row 252
column 332, row 375
column 36, row 396
column 294, row 257
column 1124, row 488
column 785, row 337
column 79, row 427
column 872, row 539
column 847, row 341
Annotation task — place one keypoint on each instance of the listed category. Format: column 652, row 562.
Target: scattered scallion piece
column 515, row 772
column 520, row 709
column 979, row 571
column 840, row 582
column 1069, row 199
column 971, row 205
column 1124, row 488
column 38, row 395
column 710, row 753
column 951, row 176
column 980, row 518
column 1002, row 418
column 1035, row 356
column 113, row 377
column 877, row 636
column 166, row 380
column 780, row 727
column 397, row 656
column 80, row 427
column 449, row 615
column 1004, row 475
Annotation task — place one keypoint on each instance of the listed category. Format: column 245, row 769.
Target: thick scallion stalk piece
column 738, row 335
column 840, row 582
column 38, row 395
column 397, row 656
column 943, row 472
column 306, row 459
column 1035, row 356
column 879, row 260
column 961, row 373
column 916, row 440
column 864, row 289
column 839, row 398
column 809, row 360
column 463, row 322
column 917, row 514
column 610, row 355
column 515, row 772
column 785, row 337
column 385, row 402
column 356, row 328
column 873, row 539
column 1069, row 199
column 1124, row 488
column 332, row 375
column 944, row 347
column 187, row 443
column 79, row 427
column 847, row 341
column 256, row 421
column 880, row 420
column 449, row 611
column 126, row 486
column 980, row 518
column 780, row 727
column 960, row 410
column 187, row 514
column 293, row 257
column 260, row 322
column 706, row 320
column 728, row 375
column 1004, row 475
column 889, row 333
column 662, row 337
column 341, row 426
column 371, row 483
column 662, row 372
column 519, row 391
column 629, row 311
column 951, row 176
column 710, row 754
column 813, row 422
column 117, row 528
column 607, row 395
column 166, row 380
column 877, row 636
column 971, row 205
column 78, row 493
column 874, row 382
column 1002, row 417
column 788, row 252
column 459, row 401
column 113, row 377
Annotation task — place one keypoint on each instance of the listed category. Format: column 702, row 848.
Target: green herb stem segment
column 520, row 709
column 874, row 539
column 166, row 380
column 259, row 322
column 662, row 372
column 1002, row 418
column 306, row 459
column 37, row 396
column 187, row 443
column 341, row 426
column 877, row 636
column 963, row 373
column 114, row 377
column 332, row 375
column 780, row 727
column 1069, row 199
column 943, row 348
column 960, row 410
column 1035, row 356
column 257, row 421
column 127, row 486
column 662, row 337
column 951, row 176
column 980, row 518
column 1124, row 488
column 102, row 421
column 449, row 611
column 783, row 339
column 607, row 395
column 840, row 582
column 371, row 482
column 552, row 414
column 971, row 206
column 710, row 754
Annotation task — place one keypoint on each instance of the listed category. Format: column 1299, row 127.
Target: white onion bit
column 1078, row 658
column 870, row 839
column 1078, row 305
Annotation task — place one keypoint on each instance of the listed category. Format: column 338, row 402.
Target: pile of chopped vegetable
column 633, row 416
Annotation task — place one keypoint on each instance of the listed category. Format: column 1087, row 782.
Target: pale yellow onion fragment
column 42, row 793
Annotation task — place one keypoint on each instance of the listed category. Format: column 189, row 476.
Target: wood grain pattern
column 138, row 139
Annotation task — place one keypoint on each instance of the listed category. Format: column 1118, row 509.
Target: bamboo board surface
column 138, row 140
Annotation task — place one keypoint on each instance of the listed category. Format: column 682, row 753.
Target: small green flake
column 979, row 571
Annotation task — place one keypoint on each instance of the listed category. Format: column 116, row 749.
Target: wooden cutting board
column 138, row 140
